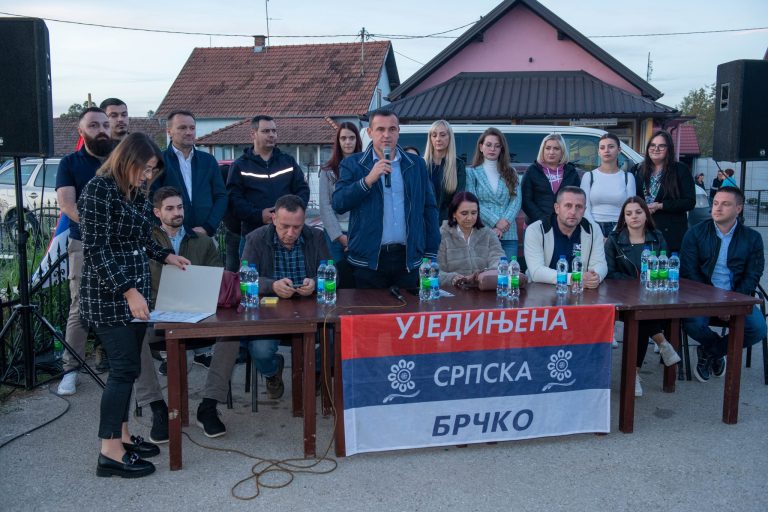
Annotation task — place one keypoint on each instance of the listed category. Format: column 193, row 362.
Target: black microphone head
column 395, row 291
column 387, row 151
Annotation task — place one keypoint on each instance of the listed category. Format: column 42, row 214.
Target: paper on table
column 187, row 296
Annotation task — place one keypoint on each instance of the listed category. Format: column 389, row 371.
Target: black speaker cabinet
column 26, row 124
column 741, row 111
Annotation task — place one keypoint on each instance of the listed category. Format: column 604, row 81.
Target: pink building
column 522, row 64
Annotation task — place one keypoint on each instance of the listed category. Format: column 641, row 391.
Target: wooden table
column 297, row 317
column 632, row 302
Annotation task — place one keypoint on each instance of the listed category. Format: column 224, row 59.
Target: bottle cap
column 244, row 263
column 330, row 262
column 323, row 262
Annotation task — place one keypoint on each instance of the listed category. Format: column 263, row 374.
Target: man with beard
column 200, row 250
column 117, row 112
column 75, row 170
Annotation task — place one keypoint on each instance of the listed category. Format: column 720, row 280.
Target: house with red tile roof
column 306, row 88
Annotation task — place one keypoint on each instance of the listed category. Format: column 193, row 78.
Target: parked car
column 38, row 186
column 523, row 142
column 702, row 210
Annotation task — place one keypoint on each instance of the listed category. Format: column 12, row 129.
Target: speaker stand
column 24, row 311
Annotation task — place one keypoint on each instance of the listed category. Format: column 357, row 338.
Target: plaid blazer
column 117, row 238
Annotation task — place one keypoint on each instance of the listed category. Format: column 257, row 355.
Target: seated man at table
column 286, row 253
column 565, row 232
column 726, row 254
column 200, row 250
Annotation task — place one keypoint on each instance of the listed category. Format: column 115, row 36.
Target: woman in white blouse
column 607, row 186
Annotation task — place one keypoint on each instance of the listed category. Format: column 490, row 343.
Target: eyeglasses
column 149, row 171
column 657, row 147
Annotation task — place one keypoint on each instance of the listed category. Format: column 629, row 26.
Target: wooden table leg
column 174, row 404
column 310, row 425
column 184, row 383
column 670, row 372
column 733, row 370
column 297, row 359
column 326, row 356
column 338, row 396
column 628, row 369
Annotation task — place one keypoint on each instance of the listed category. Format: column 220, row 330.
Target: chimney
column 258, row 44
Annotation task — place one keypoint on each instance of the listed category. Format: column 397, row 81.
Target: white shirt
column 606, row 193
column 491, row 168
column 185, row 166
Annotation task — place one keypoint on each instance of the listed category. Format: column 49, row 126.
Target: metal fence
column 48, row 291
column 756, row 208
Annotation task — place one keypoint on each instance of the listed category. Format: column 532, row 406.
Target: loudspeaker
column 26, row 124
column 741, row 111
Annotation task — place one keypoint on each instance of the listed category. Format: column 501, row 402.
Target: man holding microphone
column 393, row 213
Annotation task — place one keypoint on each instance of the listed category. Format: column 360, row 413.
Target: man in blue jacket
column 393, row 219
column 260, row 176
column 195, row 173
column 728, row 255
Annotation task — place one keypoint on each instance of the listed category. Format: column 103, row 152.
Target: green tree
column 701, row 103
column 74, row 111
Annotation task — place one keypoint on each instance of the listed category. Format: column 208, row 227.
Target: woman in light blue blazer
column 494, row 181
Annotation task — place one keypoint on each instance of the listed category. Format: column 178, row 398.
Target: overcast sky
column 140, row 66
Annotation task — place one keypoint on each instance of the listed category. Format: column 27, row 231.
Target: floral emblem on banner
column 400, row 379
column 559, row 369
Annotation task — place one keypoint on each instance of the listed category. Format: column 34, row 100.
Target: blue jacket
column 366, row 207
column 209, row 197
column 746, row 259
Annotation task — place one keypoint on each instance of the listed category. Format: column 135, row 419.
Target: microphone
column 387, row 179
column 395, row 291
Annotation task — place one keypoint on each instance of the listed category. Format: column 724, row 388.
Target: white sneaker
column 68, row 384
column 668, row 354
column 638, row 386
column 614, row 344
column 655, row 348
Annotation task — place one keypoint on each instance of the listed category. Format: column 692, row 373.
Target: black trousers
column 123, row 346
column 392, row 271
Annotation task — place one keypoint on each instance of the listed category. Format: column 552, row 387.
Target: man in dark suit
column 195, row 173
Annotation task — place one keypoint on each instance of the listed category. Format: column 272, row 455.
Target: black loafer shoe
column 141, row 447
column 130, row 467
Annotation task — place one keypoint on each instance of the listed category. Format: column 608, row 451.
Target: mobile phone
column 297, row 285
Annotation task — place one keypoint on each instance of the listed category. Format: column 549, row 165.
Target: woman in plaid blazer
column 116, row 227
column 493, row 180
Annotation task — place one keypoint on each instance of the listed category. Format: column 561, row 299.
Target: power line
column 683, row 33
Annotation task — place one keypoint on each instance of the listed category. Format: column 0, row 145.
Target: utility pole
column 649, row 68
column 362, row 51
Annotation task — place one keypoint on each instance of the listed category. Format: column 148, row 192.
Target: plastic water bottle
column 674, row 273
column 321, row 282
column 253, row 286
column 577, row 283
column 502, row 280
column 663, row 271
column 434, row 280
column 644, row 264
column 425, row 283
column 243, row 283
column 329, row 284
column 58, row 348
column 562, row 275
column 514, row 278
column 651, row 283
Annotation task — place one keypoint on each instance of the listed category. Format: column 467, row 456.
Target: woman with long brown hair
column 346, row 143
column 494, row 182
column 116, row 228
column 635, row 230
column 667, row 187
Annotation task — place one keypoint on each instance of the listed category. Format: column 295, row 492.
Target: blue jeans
column 123, row 346
column 510, row 248
column 717, row 346
column 336, row 249
column 263, row 352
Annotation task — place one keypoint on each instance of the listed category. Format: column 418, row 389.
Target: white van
column 523, row 141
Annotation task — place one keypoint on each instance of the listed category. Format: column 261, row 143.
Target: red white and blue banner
column 433, row 379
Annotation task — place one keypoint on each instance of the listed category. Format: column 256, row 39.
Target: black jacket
column 538, row 198
column 441, row 196
column 254, row 184
column 622, row 263
column 746, row 259
column 672, row 219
